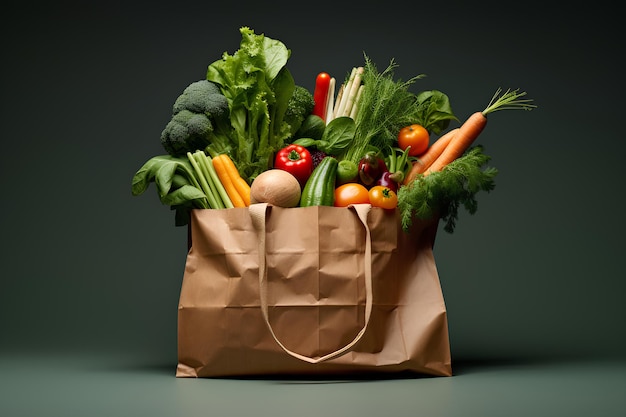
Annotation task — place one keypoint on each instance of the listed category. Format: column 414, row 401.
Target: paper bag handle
column 258, row 213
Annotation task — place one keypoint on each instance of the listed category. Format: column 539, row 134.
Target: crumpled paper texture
column 315, row 263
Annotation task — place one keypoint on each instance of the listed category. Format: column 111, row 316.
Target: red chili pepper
column 320, row 94
column 296, row 160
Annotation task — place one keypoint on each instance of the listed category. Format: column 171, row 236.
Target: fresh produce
column 242, row 187
column 347, row 171
column 455, row 176
column 296, row 160
column 199, row 119
column 474, row 125
column 317, row 156
column 319, row 189
column 351, row 193
column 299, row 108
column 347, row 104
column 383, row 197
column 398, row 165
column 176, row 183
column 330, row 101
column 387, row 181
column 433, row 111
column 209, row 180
column 258, row 87
column 335, row 138
column 387, row 105
column 443, row 193
column 320, row 94
column 187, row 182
column 228, row 182
column 276, row 187
column 414, row 136
column 426, row 159
column 312, row 128
column 248, row 133
column 371, row 167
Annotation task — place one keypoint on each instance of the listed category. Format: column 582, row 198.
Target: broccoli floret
column 300, row 105
column 200, row 117
column 186, row 132
column 202, row 97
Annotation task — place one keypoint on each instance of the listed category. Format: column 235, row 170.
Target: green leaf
column 140, row 181
column 272, row 52
column 179, row 180
column 163, row 177
column 385, row 106
column 306, row 142
column 255, row 82
column 434, row 111
column 338, row 135
column 145, row 174
column 283, row 87
column 312, row 127
column 182, row 195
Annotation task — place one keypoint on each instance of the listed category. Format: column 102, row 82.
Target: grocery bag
column 315, row 290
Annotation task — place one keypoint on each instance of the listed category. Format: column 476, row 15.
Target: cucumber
column 319, row 189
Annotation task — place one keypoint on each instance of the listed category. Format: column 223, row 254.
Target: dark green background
column 538, row 272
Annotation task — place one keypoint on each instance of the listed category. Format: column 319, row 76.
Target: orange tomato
column 415, row 136
column 384, row 197
column 351, row 193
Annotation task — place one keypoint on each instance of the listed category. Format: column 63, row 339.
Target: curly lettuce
column 258, row 86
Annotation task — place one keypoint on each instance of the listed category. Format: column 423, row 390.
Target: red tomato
column 296, row 160
column 351, row 193
column 384, row 197
column 415, row 136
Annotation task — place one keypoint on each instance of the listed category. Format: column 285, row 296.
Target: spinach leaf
column 163, row 177
column 145, row 175
column 174, row 178
column 434, row 111
column 337, row 136
column 182, row 195
column 312, row 127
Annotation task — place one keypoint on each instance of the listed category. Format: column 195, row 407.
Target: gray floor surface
column 83, row 385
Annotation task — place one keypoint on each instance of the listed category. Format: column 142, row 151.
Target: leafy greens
column 258, row 86
column 387, row 105
column 444, row 192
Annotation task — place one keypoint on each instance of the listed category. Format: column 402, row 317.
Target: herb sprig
column 386, row 105
column 445, row 192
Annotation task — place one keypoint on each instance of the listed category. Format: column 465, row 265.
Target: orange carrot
column 427, row 158
column 474, row 125
column 242, row 187
column 227, row 182
column 244, row 190
column 468, row 132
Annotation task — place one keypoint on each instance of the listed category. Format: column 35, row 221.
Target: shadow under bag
column 310, row 291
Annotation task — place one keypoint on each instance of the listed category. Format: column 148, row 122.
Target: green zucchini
column 319, row 189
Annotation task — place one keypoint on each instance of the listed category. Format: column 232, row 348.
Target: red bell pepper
column 296, row 160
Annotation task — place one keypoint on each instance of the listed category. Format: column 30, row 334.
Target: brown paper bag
column 310, row 290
